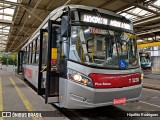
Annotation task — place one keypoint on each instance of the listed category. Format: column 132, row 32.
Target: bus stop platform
column 151, row 80
column 19, row 101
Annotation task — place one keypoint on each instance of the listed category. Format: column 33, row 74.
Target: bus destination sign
column 105, row 21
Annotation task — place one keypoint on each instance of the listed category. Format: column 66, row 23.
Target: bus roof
column 58, row 12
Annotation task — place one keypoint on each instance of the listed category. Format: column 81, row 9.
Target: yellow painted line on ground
column 1, row 98
column 23, row 98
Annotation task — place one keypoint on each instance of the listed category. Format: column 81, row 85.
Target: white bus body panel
column 31, row 74
column 83, row 97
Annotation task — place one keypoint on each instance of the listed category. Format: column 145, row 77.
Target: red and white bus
column 83, row 57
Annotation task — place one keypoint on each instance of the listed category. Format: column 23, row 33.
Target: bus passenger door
column 52, row 81
column 42, row 62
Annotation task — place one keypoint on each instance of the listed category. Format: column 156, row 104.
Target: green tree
column 11, row 58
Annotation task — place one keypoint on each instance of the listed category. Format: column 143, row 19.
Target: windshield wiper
column 97, row 12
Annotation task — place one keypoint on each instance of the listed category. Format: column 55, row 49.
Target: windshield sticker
column 97, row 31
column 122, row 64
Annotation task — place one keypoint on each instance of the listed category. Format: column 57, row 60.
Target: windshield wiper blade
column 97, row 12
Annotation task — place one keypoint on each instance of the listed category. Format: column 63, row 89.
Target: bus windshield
column 103, row 47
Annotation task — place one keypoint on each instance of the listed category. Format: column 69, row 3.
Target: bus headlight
column 79, row 78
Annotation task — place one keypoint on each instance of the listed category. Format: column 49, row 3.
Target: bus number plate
column 119, row 101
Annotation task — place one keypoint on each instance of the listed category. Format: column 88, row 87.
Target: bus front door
column 52, row 81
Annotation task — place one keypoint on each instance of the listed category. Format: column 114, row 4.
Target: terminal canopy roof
column 20, row 18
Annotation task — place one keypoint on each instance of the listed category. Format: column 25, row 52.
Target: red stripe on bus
column 28, row 72
column 115, row 80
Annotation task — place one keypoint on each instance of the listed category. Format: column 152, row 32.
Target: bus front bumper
column 83, row 97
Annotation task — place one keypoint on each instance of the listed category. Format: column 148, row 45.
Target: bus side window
column 27, row 55
column 58, row 46
column 24, row 56
column 33, row 54
column 37, row 50
column 44, row 49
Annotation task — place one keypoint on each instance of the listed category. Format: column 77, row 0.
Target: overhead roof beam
column 4, row 7
column 148, row 26
column 6, row 14
column 24, row 5
column 24, row 32
column 12, row 35
column 19, row 35
column 155, row 6
column 148, row 32
column 17, row 26
column 122, row 8
column 5, row 22
column 3, row 43
column 2, row 22
column 107, row 3
column 3, row 40
column 145, row 21
column 148, row 2
column 32, row 13
column 3, row 27
column 145, row 18
column 133, row 14
column 125, row 10
column 142, row 7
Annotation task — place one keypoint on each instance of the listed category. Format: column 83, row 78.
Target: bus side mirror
column 65, row 27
